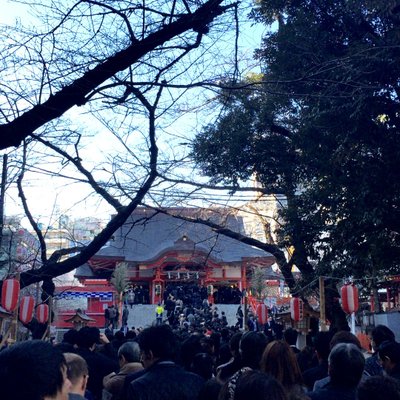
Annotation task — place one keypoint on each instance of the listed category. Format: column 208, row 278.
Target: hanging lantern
column 10, row 294
column 210, row 290
column 42, row 313
column 26, row 306
column 262, row 313
column 349, row 294
column 157, row 290
column 296, row 309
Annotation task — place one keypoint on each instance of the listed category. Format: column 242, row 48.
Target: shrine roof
column 79, row 316
column 84, row 271
column 148, row 233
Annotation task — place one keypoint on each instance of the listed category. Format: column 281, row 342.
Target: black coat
column 315, row 374
column 166, row 381
column 99, row 366
column 331, row 392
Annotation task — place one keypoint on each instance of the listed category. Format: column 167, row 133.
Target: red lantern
column 349, row 294
column 262, row 313
column 296, row 309
column 9, row 294
column 26, row 306
column 42, row 313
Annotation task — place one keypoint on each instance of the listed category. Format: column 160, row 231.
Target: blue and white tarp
column 69, row 295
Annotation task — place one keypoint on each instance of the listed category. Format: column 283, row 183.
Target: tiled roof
column 148, row 234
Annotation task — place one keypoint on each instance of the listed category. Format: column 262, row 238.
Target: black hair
column 88, row 336
column 378, row 387
column 345, row 357
column 160, row 340
column 256, row 385
column 234, row 342
column 71, row 336
column 322, row 344
column 290, row 336
column 391, row 350
column 31, row 370
column 119, row 335
column 382, row 333
column 202, row 365
column 189, row 348
column 251, row 347
column 345, row 337
column 130, row 335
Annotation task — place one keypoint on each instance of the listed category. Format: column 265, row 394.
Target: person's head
column 251, row 347
column 346, row 365
column 389, row 355
column 344, row 337
column 280, row 361
column 189, row 348
column 322, row 345
column 130, row 335
column 119, row 336
column 71, row 337
column 380, row 334
column 290, row 336
column 378, row 387
column 33, row 370
column 157, row 343
column 77, row 372
column 234, row 343
column 129, row 352
column 202, row 365
column 256, row 385
column 88, row 337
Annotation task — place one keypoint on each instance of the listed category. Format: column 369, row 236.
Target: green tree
column 119, row 279
column 257, row 282
column 322, row 128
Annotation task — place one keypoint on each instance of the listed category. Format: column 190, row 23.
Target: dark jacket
column 165, row 381
column 99, row 366
column 331, row 392
column 310, row 376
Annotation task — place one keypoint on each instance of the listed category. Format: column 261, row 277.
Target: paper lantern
column 262, row 313
column 42, row 313
column 9, row 294
column 26, row 307
column 296, row 309
column 349, row 294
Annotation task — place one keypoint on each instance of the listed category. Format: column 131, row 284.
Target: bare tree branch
column 21, row 194
column 12, row 133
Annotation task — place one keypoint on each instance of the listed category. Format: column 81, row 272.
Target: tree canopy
column 320, row 126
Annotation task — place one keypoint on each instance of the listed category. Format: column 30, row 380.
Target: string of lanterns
column 349, row 300
column 9, row 301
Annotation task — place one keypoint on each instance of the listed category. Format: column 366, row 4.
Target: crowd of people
column 189, row 293
column 201, row 361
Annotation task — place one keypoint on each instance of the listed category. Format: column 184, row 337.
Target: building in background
column 165, row 253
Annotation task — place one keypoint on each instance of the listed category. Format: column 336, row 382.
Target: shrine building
column 160, row 250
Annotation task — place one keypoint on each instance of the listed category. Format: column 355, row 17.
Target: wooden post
column 322, row 316
column 47, row 332
column 5, row 337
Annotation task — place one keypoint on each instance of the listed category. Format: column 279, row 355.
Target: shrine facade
column 160, row 251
